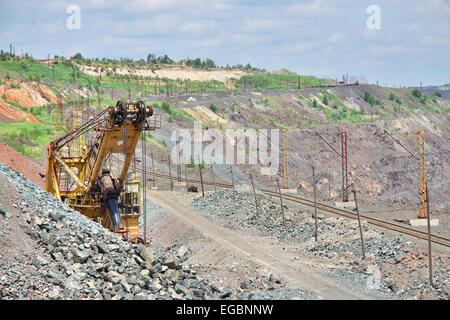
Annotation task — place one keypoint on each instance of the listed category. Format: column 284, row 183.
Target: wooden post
column 232, row 177
column 178, row 156
column 254, row 193
column 185, row 173
column 214, row 178
column 281, row 202
column 430, row 257
column 359, row 223
column 170, row 175
column 153, row 171
column 201, row 177
column 329, row 185
column 315, row 203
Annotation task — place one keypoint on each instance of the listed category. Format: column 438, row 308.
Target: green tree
column 208, row 64
column 151, row 58
column 165, row 59
column 78, row 56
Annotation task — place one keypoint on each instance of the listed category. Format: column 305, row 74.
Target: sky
column 402, row 43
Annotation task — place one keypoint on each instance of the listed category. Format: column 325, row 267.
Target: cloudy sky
column 326, row 38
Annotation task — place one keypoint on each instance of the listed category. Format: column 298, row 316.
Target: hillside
column 218, row 246
column 257, row 99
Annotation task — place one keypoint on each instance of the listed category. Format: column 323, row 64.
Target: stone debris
column 65, row 255
column 338, row 242
column 79, row 259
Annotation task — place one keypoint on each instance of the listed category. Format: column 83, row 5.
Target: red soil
column 18, row 162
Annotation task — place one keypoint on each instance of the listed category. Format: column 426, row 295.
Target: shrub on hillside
column 416, row 93
column 166, row 108
column 213, row 108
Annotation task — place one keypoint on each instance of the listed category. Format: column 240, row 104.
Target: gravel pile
column 72, row 257
column 238, row 211
column 52, row 252
column 403, row 271
column 377, row 248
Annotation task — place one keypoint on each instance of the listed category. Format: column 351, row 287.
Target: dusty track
column 299, row 273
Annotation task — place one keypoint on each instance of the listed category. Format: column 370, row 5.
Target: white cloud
column 259, row 25
column 159, row 25
column 313, row 8
column 439, row 7
column 302, row 47
column 160, row 5
column 430, row 40
column 336, row 37
column 198, row 27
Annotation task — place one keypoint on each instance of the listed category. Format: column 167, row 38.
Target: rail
column 326, row 208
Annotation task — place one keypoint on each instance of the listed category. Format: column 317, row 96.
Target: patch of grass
column 192, row 164
column 370, row 99
column 159, row 143
column 38, row 135
column 183, row 114
column 279, row 81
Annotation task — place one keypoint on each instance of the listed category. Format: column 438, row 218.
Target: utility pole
column 359, row 224
column 430, row 257
column 170, row 175
column 423, row 203
column 254, row 194
column 281, row 201
column 344, row 166
column 343, row 156
column 421, row 170
column 285, row 161
column 315, row 203
column 329, row 185
column 232, row 177
column 178, row 155
column 214, row 178
column 153, row 171
column 201, row 177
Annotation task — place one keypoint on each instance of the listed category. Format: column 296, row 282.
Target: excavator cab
column 130, row 207
column 131, row 197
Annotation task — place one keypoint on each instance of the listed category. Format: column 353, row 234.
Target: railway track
column 324, row 207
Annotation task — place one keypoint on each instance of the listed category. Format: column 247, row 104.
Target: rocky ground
column 50, row 251
column 395, row 265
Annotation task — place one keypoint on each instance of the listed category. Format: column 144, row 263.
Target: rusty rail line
column 327, row 208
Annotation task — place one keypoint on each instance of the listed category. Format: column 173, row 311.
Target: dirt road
column 299, row 272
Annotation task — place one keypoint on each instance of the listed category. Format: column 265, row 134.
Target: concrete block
column 243, row 188
column 154, row 188
column 179, row 183
column 288, row 190
column 423, row 222
column 345, row 205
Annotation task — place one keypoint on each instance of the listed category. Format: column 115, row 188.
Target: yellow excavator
column 78, row 172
